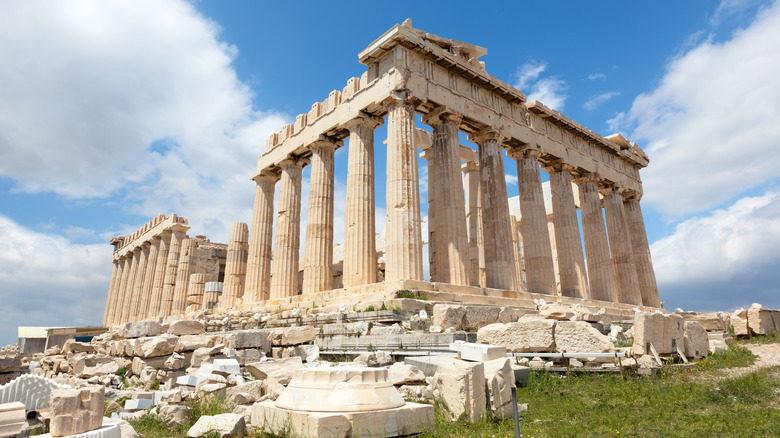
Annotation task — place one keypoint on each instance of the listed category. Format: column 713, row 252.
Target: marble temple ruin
column 477, row 247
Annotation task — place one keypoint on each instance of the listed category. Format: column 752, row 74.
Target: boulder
column 173, row 415
column 663, row 331
column 186, row 327
column 461, row 386
column 374, row 359
column 499, row 381
column 559, row 312
column 449, row 315
column 194, row 342
column 760, row 320
column 250, row 339
column 580, row 337
column 138, row 329
column 281, row 370
column 400, row 373
column 292, row 336
column 710, row 321
column 226, row 425
column 697, row 343
column 75, row 411
column 253, row 388
column 525, row 335
column 71, row 346
column 480, row 316
column 155, row 346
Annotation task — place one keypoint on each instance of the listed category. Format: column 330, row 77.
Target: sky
column 112, row 112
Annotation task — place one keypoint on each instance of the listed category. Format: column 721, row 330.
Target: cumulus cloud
column 136, row 100
column 730, row 257
column 710, row 128
column 49, row 281
column 597, row 100
column 546, row 89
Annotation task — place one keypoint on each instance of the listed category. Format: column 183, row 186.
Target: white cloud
column 91, row 90
column 597, row 100
column 730, row 256
column 615, row 124
column 548, row 89
column 594, row 76
column 48, row 281
column 711, row 126
column 731, row 7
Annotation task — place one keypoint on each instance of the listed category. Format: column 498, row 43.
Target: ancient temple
column 476, row 245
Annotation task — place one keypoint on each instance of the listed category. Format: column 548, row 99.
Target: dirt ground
column 768, row 356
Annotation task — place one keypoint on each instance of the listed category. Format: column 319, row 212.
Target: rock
column 226, row 366
column 559, row 312
column 242, row 398
column 394, row 329
column 126, row 430
column 710, row 321
column 580, row 337
column 478, row 352
column 647, row 365
column 10, row 365
column 292, row 336
column 697, row 343
column 525, row 335
column 281, row 370
column 193, row 342
column 499, row 381
column 663, row 331
column 374, row 359
column 461, row 386
column 226, row 425
column 760, row 320
column 400, row 373
column 251, row 339
column 155, row 346
column 480, row 316
column 12, row 419
column 449, row 315
column 173, row 415
column 139, row 329
column 272, row 388
column 71, row 346
column 186, row 327
column 253, row 388
column 249, row 355
column 75, row 411
column 716, row 345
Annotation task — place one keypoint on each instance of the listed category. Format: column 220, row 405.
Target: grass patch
column 751, row 388
column 628, row 342
column 735, row 356
column 150, row 426
column 760, row 339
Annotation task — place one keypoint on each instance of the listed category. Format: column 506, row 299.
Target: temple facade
column 476, row 244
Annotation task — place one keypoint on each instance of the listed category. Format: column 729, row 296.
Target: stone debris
column 697, row 343
column 461, row 386
column 12, row 418
column 400, row 373
column 226, row 425
column 75, row 411
column 663, row 331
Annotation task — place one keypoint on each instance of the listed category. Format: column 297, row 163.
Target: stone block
column 226, row 425
column 249, row 355
column 428, row 364
column 226, row 366
column 173, row 415
column 580, row 337
column 251, row 339
column 139, row 329
column 760, row 320
column 525, row 335
column 12, row 418
column 194, row 342
column 499, row 381
column 282, row 370
column 449, row 315
column 71, row 346
column 136, row 404
column 478, row 352
column 186, row 327
column 374, row 359
column 461, row 386
column 292, row 336
column 254, row 388
column 75, row 411
column 187, row 381
column 559, row 312
column 155, row 346
column 697, row 343
column 710, row 321
column 10, row 365
column 400, row 373
column 663, row 331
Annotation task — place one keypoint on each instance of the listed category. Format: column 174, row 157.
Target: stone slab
column 108, row 430
column 478, row 352
column 138, row 404
column 429, row 364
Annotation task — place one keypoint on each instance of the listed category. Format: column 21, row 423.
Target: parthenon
column 477, row 247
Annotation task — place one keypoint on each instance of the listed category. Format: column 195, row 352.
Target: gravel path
column 768, row 356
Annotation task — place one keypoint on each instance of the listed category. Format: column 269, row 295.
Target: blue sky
column 113, row 112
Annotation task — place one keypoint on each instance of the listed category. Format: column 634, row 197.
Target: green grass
column 760, row 339
column 149, row 426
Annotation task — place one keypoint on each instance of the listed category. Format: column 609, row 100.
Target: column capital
column 267, row 175
column 364, row 120
column 440, row 115
column 427, row 154
column 469, row 166
column 608, row 188
column 486, row 134
column 402, row 97
column 325, row 143
column 293, row 161
column 586, row 177
column 631, row 195
column 524, row 151
column 557, row 165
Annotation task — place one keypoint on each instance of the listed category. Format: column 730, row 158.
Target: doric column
column 211, row 295
column 473, row 222
column 644, row 264
column 148, row 285
column 171, row 269
column 159, row 275
column 112, row 293
column 601, row 273
column 517, row 245
column 195, row 292
column 318, row 252
column 258, row 270
column 452, row 244
column 116, row 315
column 571, row 261
column 132, row 278
column 620, row 246
column 427, row 155
column 404, row 244
column 235, row 266
column 138, row 284
column 284, row 282
column 500, row 270
column 539, row 269
column 360, row 225
column 185, row 268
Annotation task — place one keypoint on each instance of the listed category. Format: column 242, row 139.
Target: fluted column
column 644, row 264
column 404, row 239
column 112, row 293
column 427, row 155
column 235, row 266
column 517, row 245
column 360, row 224
column 258, row 270
column 451, row 233
column 571, row 261
column 474, row 222
column 284, row 282
column 138, row 285
column 211, row 298
column 318, row 252
column 195, row 292
column 159, row 274
column 185, row 268
column 148, row 285
column 132, row 278
column 539, row 269
column 172, row 267
column 620, row 247
column 499, row 254
column 127, row 266
column 601, row 273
